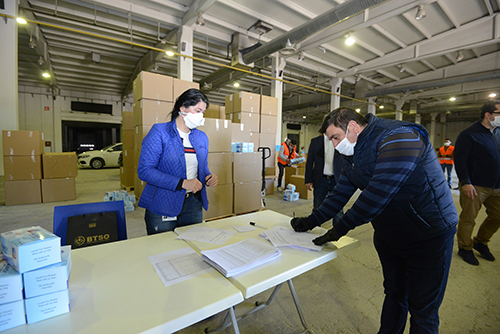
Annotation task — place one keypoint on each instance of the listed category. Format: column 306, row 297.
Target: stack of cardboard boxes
column 154, row 96
column 34, row 277
column 32, row 176
column 127, row 135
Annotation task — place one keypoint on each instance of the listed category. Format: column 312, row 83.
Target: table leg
column 297, row 306
column 229, row 319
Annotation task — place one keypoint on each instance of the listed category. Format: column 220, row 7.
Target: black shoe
column 484, row 251
column 468, row 256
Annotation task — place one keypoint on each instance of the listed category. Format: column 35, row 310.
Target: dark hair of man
column 447, row 139
column 489, row 107
column 293, row 142
column 189, row 98
column 340, row 117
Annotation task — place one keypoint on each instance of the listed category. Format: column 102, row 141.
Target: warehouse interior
column 432, row 62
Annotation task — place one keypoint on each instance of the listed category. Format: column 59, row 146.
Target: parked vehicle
column 107, row 157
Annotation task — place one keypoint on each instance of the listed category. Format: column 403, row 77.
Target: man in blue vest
column 406, row 198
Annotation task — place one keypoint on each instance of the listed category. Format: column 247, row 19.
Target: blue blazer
column 162, row 165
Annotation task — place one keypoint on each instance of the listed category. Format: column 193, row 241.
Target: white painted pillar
column 335, row 99
column 433, row 127
column 185, row 47
column 371, row 107
column 9, row 108
column 399, row 108
column 278, row 64
column 444, row 126
column 418, row 118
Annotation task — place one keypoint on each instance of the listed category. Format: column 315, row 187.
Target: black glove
column 300, row 224
column 331, row 235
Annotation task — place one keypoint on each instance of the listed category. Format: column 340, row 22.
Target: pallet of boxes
column 34, row 276
column 154, row 98
column 32, row 176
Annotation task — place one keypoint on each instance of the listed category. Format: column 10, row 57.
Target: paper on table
column 179, row 265
column 205, row 234
column 244, row 228
column 241, row 256
column 282, row 236
column 302, row 249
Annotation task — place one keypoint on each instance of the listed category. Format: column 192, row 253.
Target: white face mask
column 447, row 143
column 496, row 122
column 345, row 147
column 193, row 120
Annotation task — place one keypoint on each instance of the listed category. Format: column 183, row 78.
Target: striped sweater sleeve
column 398, row 155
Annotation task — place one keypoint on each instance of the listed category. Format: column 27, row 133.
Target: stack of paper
column 241, row 256
column 281, row 236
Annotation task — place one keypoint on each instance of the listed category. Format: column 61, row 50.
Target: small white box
column 46, row 306
column 11, row 284
column 31, row 248
column 12, row 315
column 49, row 279
column 291, row 187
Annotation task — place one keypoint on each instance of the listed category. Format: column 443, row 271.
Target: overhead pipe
column 300, row 33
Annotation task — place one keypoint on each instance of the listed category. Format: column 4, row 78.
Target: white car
column 109, row 156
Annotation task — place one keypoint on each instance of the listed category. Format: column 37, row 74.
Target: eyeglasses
column 495, row 112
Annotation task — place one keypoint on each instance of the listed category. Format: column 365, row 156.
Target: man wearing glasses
column 477, row 163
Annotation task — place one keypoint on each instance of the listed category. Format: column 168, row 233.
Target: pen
column 205, row 184
column 253, row 224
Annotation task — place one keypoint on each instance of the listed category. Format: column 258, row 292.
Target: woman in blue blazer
column 173, row 163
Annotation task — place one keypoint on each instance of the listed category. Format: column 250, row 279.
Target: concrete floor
column 342, row 296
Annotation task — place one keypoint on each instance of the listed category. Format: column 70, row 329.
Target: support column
column 372, row 108
column 433, row 127
column 9, row 108
column 418, row 119
column 335, row 99
column 399, row 108
column 185, row 47
column 278, row 64
column 444, row 126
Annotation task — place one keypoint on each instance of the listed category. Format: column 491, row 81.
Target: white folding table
column 114, row 289
column 273, row 274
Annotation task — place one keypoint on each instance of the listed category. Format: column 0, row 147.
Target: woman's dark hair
column 190, row 97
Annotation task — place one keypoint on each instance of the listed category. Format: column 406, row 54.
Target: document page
column 179, row 265
column 282, row 236
column 205, row 234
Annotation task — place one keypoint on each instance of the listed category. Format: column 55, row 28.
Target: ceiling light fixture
column 358, row 110
column 453, row 98
column 20, row 20
column 41, row 61
column 304, row 116
column 401, row 68
column 236, row 84
column 301, row 56
column 289, row 49
column 262, row 27
column 381, row 107
column 200, row 22
column 170, row 53
column 492, row 95
column 420, row 13
column 32, row 43
column 460, row 56
column 46, row 74
column 349, row 40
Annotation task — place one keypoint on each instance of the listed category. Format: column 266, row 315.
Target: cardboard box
column 222, row 112
column 269, row 186
column 180, row 86
column 271, row 171
column 247, row 167
column 30, row 248
column 240, row 133
column 49, row 279
column 22, row 167
column 300, row 186
column 11, row 284
column 228, row 105
column 149, row 112
column 128, row 158
column 269, row 140
column 140, row 132
column 127, row 176
column 254, row 139
column 22, row 142
column 59, row 165
column 46, row 306
column 213, row 111
column 268, row 105
column 138, row 186
column 128, row 120
column 128, row 139
column 22, row 192
column 12, row 315
column 56, row 190
column 249, row 119
column 247, row 196
column 246, row 102
column 220, row 201
column 268, row 124
column 137, row 156
column 220, row 164
column 153, row 86
column 289, row 171
column 219, row 134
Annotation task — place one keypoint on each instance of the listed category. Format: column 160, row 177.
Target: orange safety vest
column 443, row 150
column 286, row 153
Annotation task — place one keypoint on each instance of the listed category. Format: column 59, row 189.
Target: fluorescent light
column 20, row 20
column 350, row 40
column 358, row 110
column 453, row 98
column 381, row 107
column 492, row 95
column 304, row 116
column 46, row 74
column 170, row 53
column 236, row 84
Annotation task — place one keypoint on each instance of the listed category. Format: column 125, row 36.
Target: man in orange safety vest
column 445, row 155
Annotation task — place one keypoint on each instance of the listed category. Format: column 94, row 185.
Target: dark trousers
column 281, row 168
column 447, row 168
column 415, row 277
column 323, row 189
